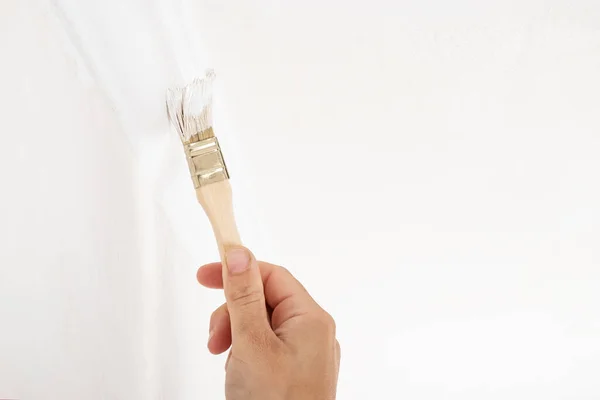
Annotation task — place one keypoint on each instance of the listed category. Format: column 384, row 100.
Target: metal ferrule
column 206, row 162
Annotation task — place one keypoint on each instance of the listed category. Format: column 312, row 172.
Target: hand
column 283, row 345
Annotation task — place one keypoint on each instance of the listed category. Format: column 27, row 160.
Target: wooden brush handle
column 215, row 198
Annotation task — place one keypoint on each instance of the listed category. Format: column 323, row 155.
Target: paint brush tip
column 190, row 108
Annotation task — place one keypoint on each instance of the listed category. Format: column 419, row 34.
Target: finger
column 286, row 296
column 283, row 293
column 245, row 298
column 219, row 339
column 227, row 361
column 210, row 276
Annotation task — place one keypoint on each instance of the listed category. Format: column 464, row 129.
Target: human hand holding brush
column 283, row 345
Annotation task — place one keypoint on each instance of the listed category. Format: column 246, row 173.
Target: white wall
column 427, row 169
column 436, row 166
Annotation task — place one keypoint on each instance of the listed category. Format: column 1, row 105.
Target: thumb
column 245, row 296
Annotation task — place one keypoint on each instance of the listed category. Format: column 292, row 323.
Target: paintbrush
column 190, row 111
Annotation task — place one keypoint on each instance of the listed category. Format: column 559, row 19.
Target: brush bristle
column 190, row 109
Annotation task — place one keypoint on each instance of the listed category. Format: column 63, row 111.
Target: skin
column 281, row 343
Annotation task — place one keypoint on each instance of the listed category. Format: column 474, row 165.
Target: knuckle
column 217, row 312
column 326, row 323
column 217, row 315
column 330, row 322
column 280, row 269
column 246, row 295
column 285, row 270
